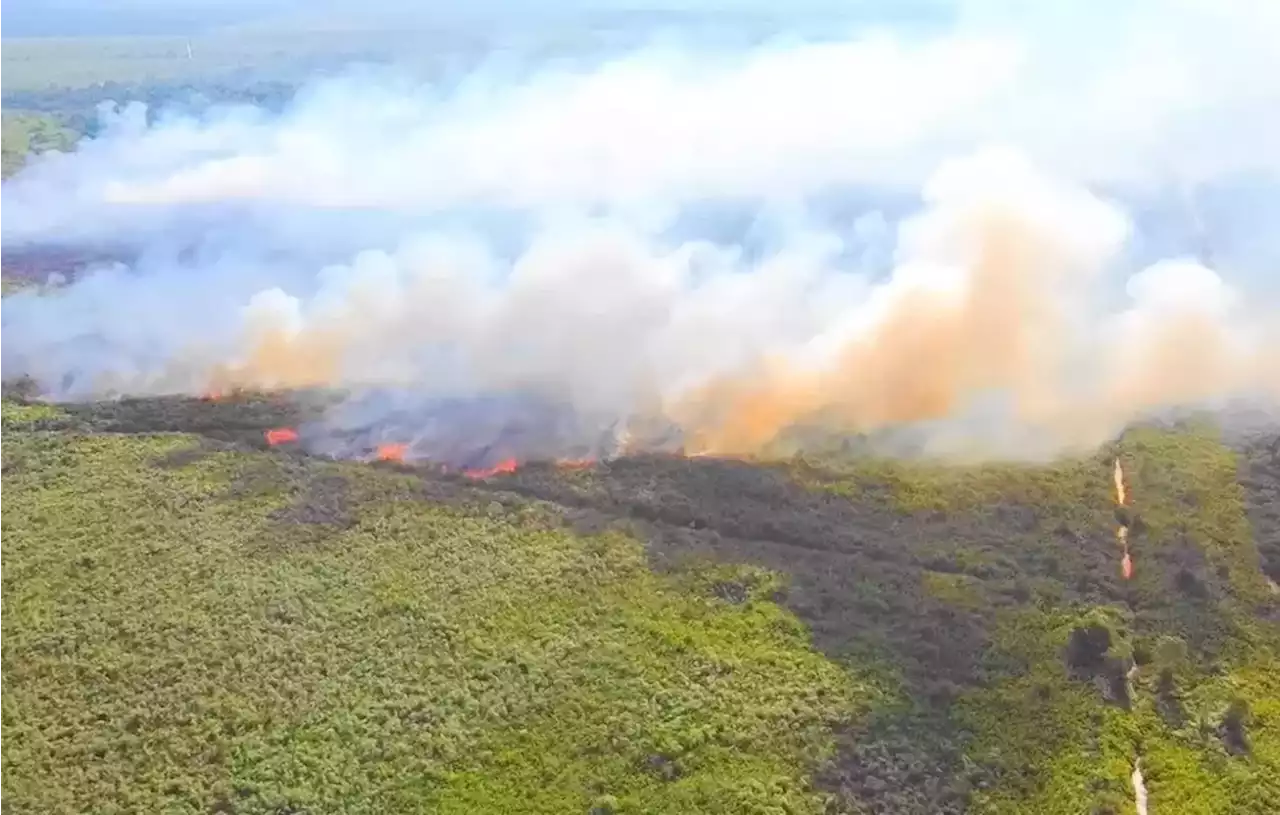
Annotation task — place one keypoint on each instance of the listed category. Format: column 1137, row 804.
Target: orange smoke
column 277, row 359
column 930, row 348
column 280, row 435
column 507, row 465
column 989, row 300
column 392, row 452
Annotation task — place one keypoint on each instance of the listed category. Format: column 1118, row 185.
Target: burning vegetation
column 1122, row 531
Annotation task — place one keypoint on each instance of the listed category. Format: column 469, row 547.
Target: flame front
column 507, row 465
column 1122, row 532
column 280, row 435
column 392, row 452
column 1118, row 475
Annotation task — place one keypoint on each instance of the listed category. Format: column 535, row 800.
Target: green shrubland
column 192, row 625
column 174, row 642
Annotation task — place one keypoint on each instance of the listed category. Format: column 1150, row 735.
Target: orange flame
column 575, row 463
column 1122, row 532
column 392, row 452
column 280, row 435
column 507, row 465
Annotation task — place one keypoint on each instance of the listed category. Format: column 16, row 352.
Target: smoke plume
column 1014, row 235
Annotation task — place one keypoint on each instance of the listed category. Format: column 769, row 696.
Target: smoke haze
column 995, row 233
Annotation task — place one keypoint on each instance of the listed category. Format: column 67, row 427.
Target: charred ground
column 996, row 659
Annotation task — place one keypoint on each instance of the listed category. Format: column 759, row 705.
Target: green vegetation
column 54, row 86
column 193, row 625
column 20, row 416
column 26, row 133
column 178, row 633
column 44, row 63
column 8, row 286
column 1197, row 625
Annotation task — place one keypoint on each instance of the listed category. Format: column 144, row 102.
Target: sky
column 42, row 18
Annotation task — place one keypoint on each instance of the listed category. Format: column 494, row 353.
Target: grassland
column 54, row 85
column 53, row 89
column 292, row 53
column 27, row 133
column 183, row 635
column 51, row 63
column 194, row 624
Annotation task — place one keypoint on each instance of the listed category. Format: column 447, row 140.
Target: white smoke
column 1011, row 128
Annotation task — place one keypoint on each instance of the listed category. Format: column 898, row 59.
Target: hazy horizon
column 84, row 18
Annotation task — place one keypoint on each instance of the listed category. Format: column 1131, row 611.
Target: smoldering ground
column 951, row 231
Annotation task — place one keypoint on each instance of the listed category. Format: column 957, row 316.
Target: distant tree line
column 55, row 119
column 69, row 103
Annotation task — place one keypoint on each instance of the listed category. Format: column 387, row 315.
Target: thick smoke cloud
column 993, row 233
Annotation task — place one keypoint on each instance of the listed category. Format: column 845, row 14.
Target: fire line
column 280, row 435
column 392, row 452
column 1122, row 532
column 505, row 466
